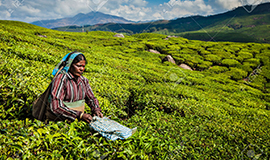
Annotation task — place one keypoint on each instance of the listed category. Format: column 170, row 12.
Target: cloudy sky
column 135, row 10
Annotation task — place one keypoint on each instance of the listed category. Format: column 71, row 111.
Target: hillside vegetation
column 218, row 111
column 252, row 28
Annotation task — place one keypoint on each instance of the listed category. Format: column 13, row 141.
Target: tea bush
column 207, row 113
column 212, row 58
column 204, row 65
column 230, row 62
column 237, row 73
column 244, row 55
column 218, row 69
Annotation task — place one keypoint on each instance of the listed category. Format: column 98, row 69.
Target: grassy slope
column 209, row 113
column 254, row 28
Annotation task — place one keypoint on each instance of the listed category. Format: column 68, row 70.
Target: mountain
column 235, row 25
column 80, row 19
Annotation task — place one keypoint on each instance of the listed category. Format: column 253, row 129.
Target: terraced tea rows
column 220, row 110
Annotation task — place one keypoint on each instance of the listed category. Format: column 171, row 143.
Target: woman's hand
column 99, row 114
column 86, row 118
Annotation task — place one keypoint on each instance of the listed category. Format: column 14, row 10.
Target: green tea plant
column 217, row 111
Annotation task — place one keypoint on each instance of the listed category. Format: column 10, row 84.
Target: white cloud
column 5, row 15
column 251, row 2
column 132, row 13
column 176, row 9
column 138, row 3
column 230, row 4
column 135, row 10
column 29, row 10
column 172, row 9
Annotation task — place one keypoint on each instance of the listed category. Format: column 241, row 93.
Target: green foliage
column 218, row 69
column 213, row 58
column 204, row 65
column 252, row 62
column 265, row 70
column 242, row 55
column 208, row 113
column 260, row 81
column 230, row 62
column 149, row 35
column 246, row 67
column 237, row 73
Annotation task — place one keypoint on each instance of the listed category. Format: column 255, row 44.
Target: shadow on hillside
column 133, row 105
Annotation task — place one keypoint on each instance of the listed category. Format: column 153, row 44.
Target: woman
column 70, row 90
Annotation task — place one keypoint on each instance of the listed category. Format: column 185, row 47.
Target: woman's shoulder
column 60, row 76
column 84, row 79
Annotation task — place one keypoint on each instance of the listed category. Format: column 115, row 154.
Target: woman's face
column 77, row 68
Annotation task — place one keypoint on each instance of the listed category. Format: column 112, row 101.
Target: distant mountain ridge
column 81, row 19
column 235, row 25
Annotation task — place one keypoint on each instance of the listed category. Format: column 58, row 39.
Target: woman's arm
column 90, row 99
column 57, row 95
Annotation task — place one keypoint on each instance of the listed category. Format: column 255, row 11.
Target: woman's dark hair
column 79, row 58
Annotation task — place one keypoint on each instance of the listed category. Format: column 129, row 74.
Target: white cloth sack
column 111, row 129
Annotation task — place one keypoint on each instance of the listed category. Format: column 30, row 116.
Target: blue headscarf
column 68, row 63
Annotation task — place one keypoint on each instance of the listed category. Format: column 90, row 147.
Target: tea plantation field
column 220, row 110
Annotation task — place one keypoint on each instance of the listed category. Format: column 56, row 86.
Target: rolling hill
column 236, row 25
column 220, row 110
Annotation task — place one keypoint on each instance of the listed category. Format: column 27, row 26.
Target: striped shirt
column 66, row 88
